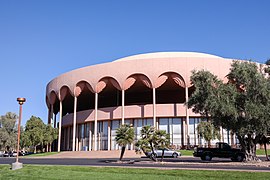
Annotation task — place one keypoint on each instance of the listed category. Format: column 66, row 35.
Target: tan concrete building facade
column 90, row 103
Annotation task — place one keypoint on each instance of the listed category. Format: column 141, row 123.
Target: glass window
column 127, row 121
column 82, row 130
column 163, row 124
column 105, row 128
column 176, row 125
column 139, row 126
column 87, row 129
column 148, row 122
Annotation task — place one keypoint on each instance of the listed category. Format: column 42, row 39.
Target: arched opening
column 67, row 100
column 110, row 95
column 139, row 91
column 54, row 101
column 171, row 89
column 86, row 97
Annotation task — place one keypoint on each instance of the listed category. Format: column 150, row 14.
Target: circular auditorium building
column 90, row 103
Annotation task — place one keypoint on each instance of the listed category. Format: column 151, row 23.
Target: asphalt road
column 179, row 163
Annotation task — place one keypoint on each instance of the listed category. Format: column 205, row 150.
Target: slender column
column 187, row 116
column 184, row 131
column 154, row 107
column 49, row 114
column 52, row 145
column 76, row 139
column 19, row 133
column 60, row 126
column 65, row 138
column 99, row 141
column 50, row 119
column 68, row 137
column 54, row 121
column 95, row 126
column 74, row 123
column 90, row 140
column 194, row 132
column 123, row 106
column 109, row 135
column 132, row 144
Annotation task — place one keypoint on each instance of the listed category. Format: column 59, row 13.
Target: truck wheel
column 239, row 157
column 208, row 157
column 175, row 155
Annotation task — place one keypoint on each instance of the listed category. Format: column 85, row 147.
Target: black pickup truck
column 222, row 150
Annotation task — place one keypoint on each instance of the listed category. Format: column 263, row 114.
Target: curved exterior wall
column 151, row 67
column 141, row 89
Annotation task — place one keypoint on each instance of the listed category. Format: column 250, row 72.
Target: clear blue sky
column 41, row 39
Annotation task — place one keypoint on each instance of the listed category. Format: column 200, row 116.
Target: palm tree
column 162, row 141
column 146, row 143
column 124, row 136
column 147, row 134
column 142, row 145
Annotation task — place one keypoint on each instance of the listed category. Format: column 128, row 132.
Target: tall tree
column 34, row 131
column 205, row 84
column 242, row 105
column 8, row 131
column 267, row 62
column 267, row 68
column 208, row 131
column 50, row 134
column 124, row 136
column 23, row 138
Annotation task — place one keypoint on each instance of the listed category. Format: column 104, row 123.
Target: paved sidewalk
column 95, row 154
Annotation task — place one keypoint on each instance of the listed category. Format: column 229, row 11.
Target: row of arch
column 170, row 88
column 137, row 90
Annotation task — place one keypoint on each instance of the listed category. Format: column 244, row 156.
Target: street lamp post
column 18, row 165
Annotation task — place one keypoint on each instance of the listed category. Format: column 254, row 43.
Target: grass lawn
column 186, row 152
column 84, row 172
column 41, row 154
column 262, row 152
column 190, row 152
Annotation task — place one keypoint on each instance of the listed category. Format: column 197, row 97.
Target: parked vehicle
column 7, row 154
column 222, row 150
column 23, row 153
column 10, row 154
column 167, row 153
column 1, row 153
column 14, row 154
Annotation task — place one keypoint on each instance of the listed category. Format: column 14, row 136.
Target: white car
column 167, row 153
column 1, row 153
column 14, row 154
